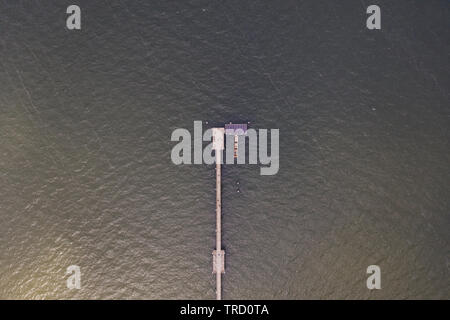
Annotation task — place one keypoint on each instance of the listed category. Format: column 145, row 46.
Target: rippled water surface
column 85, row 171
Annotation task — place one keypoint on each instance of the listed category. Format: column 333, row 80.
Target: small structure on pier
column 218, row 140
column 236, row 130
column 218, row 261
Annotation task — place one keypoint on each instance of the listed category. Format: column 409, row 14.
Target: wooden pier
column 218, row 134
column 218, row 254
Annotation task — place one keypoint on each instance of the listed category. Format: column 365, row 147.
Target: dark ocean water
column 86, row 177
